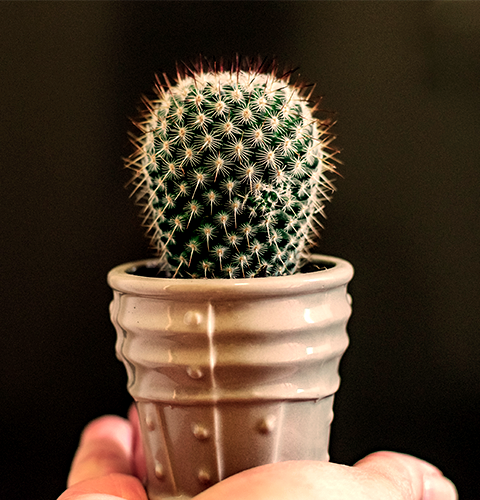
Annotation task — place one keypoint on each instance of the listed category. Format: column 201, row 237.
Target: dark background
column 404, row 80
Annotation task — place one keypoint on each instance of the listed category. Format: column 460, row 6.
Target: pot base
column 201, row 445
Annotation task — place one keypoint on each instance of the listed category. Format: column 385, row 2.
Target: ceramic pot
column 230, row 374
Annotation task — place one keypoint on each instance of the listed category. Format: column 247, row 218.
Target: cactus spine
column 231, row 169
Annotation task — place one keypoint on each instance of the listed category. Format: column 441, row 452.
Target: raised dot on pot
column 267, row 424
column 204, row 477
column 159, row 472
column 194, row 372
column 150, row 423
column 192, row 318
column 200, row 432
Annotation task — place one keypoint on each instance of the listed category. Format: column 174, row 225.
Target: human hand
column 105, row 464
column 108, row 463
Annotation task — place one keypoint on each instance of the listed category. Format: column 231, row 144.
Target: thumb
column 377, row 477
column 412, row 477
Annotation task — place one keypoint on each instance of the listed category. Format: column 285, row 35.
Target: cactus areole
column 231, row 171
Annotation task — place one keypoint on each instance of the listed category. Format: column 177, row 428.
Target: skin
column 106, row 467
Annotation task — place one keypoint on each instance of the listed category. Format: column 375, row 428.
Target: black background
column 404, row 80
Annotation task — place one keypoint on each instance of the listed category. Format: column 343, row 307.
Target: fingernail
column 438, row 488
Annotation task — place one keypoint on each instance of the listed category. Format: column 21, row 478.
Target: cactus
column 231, row 170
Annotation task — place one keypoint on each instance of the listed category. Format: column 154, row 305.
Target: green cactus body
column 232, row 173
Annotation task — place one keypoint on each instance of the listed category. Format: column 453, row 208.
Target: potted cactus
column 232, row 334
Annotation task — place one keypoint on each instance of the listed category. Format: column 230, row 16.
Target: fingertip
column 409, row 461
column 105, row 447
column 133, row 413
column 110, row 427
column 424, row 479
column 439, row 488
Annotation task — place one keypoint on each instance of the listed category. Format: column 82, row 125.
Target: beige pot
column 230, row 374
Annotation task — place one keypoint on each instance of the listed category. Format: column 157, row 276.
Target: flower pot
column 230, row 374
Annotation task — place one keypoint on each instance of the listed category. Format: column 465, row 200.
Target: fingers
column 412, row 477
column 101, row 468
column 105, row 448
column 111, row 487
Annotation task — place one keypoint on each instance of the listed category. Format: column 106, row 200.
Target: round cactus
column 231, row 170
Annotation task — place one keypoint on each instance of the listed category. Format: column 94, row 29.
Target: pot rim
column 123, row 281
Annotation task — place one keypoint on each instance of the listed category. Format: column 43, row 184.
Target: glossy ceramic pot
column 230, row 374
